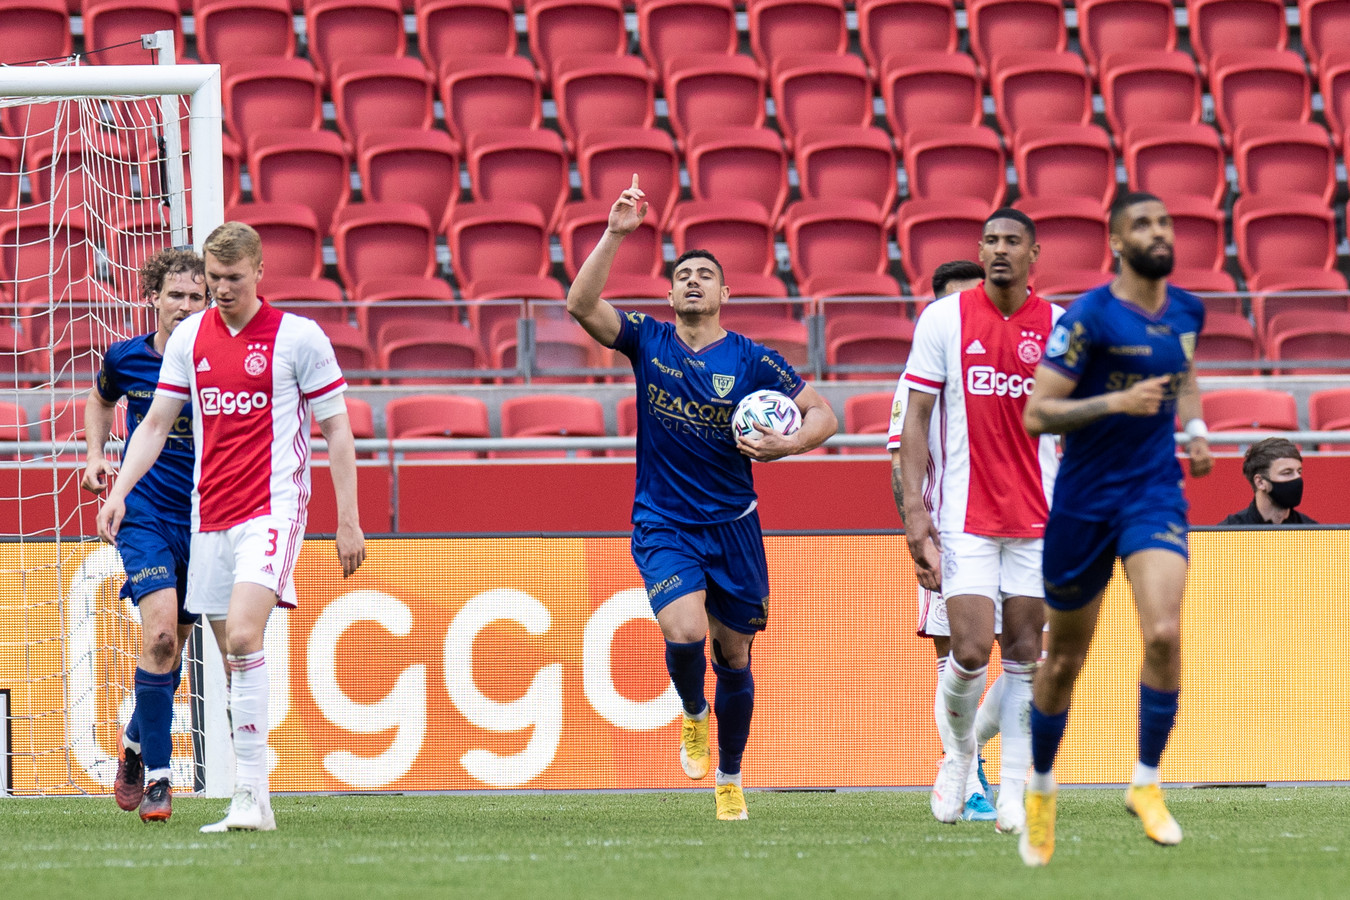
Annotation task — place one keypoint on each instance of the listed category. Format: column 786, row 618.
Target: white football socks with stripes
column 248, row 712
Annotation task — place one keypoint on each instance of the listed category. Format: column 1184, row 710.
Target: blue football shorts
column 725, row 559
column 154, row 554
column 1080, row 553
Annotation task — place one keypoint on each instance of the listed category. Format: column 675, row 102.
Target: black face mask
column 1287, row 494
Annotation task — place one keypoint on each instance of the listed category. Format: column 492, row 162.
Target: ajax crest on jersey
column 775, row 411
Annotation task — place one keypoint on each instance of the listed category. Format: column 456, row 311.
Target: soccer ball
column 772, row 409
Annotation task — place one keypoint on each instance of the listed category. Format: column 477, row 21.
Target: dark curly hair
column 174, row 261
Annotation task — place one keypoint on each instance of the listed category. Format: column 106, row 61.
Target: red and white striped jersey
column 996, row 479
column 251, row 393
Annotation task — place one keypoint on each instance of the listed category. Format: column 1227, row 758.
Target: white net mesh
column 83, row 202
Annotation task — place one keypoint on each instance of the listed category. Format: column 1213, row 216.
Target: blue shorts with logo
column 1080, row 553
column 725, row 559
column 154, row 553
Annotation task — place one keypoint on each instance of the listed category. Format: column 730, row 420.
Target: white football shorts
column 991, row 567
column 260, row 551
column 933, row 620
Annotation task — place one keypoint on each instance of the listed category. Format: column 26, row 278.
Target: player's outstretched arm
column 142, row 451
column 98, row 422
column 351, row 541
column 925, row 546
column 597, row 316
column 818, row 423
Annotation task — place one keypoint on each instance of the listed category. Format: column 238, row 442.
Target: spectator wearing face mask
column 1274, row 468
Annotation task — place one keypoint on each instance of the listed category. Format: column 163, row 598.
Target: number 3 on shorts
column 271, row 542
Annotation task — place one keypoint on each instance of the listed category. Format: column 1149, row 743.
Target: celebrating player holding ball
column 696, row 535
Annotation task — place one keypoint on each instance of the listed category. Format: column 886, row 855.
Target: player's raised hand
column 1145, row 397
column 628, row 211
column 1201, row 459
column 96, row 475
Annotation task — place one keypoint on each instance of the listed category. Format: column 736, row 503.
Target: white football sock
column 940, row 709
column 1144, row 774
column 961, row 690
column 723, row 778
column 248, row 706
column 1015, row 721
column 986, row 719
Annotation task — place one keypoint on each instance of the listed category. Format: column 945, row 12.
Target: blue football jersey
column 1106, row 344
column 131, row 369
column 688, row 467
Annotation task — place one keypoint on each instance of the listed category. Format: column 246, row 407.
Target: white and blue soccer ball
column 772, row 409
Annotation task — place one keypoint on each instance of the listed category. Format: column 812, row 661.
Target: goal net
column 100, row 167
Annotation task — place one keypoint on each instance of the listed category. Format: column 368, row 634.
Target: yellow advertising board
column 534, row 663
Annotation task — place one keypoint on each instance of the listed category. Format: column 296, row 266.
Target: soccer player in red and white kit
column 254, row 375
column 975, row 354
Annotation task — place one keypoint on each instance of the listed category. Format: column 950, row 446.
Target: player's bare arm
column 597, row 316
column 818, row 423
column 351, row 541
column 925, row 546
column 142, row 451
column 98, row 422
column 897, row 485
column 1050, row 410
column 1201, row 459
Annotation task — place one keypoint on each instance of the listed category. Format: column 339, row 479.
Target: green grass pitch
column 1243, row 843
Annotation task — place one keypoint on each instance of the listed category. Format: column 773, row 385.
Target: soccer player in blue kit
column 153, row 542
column 1117, row 372
column 696, row 534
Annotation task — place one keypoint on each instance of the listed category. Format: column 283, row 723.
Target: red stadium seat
column 401, row 165
column 1328, row 410
column 713, row 91
column 1110, row 26
column 544, row 415
column 1334, row 84
column 1243, row 409
column 262, row 95
column 738, row 163
column 1199, row 227
column 482, row 92
column 902, row 27
column 496, row 303
column 930, row 88
column 436, row 415
column 843, row 163
column 1065, row 161
column 1227, row 338
column 10, row 153
column 1176, row 159
column 609, row 158
column 351, row 349
column 998, row 27
column 311, row 168
column 1309, row 335
column 1324, row 26
column 338, row 29
column 868, row 413
column 373, row 240
column 450, row 29
column 837, row 295
column 67, row 241
column 819, row 90
column 429, row 345
column 834, row 236
column 880, row 343
column 752, row 284
column 636, row 285
column 314, row 298
column 392, row 298
column 290, row 233
column 600, row 90
column 115, row 27
column 1209, row 281
column 373, row 94
column 1252, row 87
column 34, row 29
column 932, row 232
column 525, row 164
column 13, row 423
column 505, row 237
column 738, row 232
column 230, row 30
column 1283, row 230
column 581, row 226
column 787, row 337
column 1070, row 230
column 780, row 28
column 1285, row 158
column 559, row 344
column 670, row 28
column 560, row 28
column 1052, row 281
column 1278, row 291
column 944, row 161
column 1146, row 87
column 1037, row 87
column 1219, row 26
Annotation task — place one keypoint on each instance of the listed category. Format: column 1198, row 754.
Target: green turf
column 1246, row 843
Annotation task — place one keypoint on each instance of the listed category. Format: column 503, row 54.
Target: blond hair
column 232, row 242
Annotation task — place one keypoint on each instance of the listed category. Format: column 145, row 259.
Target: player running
column 153, row 540
column 253, row 374
column 973, row 358
column 696, row 534
column 1117, row 372
column 949, row 278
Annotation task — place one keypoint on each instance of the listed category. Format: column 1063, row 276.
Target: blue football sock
column 154, row 708
column 1157, row 714
column 1047, row 732
column 688, row 665
column 132, row 733
column 733, row 704
column 177, row 676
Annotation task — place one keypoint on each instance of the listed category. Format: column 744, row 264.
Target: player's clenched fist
column 1144, row 398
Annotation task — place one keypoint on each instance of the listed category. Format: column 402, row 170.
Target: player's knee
column 1163, row 641
column 970, row 654
column 736, row 656
column 1062, row 668
column 161, row 648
